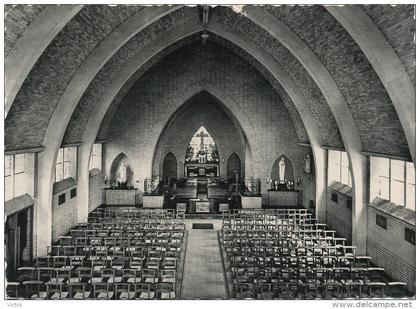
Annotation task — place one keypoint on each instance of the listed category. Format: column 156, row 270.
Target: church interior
column 209, row 152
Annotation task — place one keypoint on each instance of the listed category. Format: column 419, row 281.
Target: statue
column 122, row 174
column 282, row 167
column 307, row 164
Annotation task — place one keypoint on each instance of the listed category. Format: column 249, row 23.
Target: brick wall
column 64, row 216
column 16, row 20
column 339, row 217
column 389, row 249
column 95, row 189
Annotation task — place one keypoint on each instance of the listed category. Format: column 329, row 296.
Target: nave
column 129, row 253
column 210, row 151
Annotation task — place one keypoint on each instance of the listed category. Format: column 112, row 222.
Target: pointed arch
column 115, row 166
column 288, row 172
column 169, row 169
column 234, row 165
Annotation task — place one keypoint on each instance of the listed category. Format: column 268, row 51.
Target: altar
column 286, row 198
column 201, row 170
column 153, row 201
column 120, row 197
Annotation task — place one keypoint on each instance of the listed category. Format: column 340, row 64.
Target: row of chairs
column 99, row 290
column 92, row 275
column 133, row 213
column 119, row 262
column 101, row 261
column 288, row 254
column 104, row 248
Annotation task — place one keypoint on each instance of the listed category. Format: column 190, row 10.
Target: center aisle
column 203, row 271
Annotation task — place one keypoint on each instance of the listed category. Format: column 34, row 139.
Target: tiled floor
column 203, row 271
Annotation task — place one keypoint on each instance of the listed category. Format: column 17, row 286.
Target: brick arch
column 227, row 105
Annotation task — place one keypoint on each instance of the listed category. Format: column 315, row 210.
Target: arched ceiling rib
column 386, row 64
column 372, row 109
column 50, row 76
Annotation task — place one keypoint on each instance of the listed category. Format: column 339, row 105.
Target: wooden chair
column 264, row 291
column 12, row 290
column 45, row 273
column 149, row 275
column 43, row 261
column 165, row 291
column 244, row 290
column 143, row 291
column 353, row 282
column 78, row 290
column 56, row 291
column 103, row 290
column 27, row 274
column 131, row 276
column 167, row 276
column 375, row 282
column 396, row 290
column 76, row 261
column 59, row 261
column 170, row 263
column 34, row 289
column 61, row 275
column 124, row 291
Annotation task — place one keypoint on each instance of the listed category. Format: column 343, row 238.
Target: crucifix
column 202, row 135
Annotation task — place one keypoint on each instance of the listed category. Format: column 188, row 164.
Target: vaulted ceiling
column 346, row 75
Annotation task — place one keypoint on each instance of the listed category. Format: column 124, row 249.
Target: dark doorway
column 233, row 164
column 18, row 241
column 169, row 168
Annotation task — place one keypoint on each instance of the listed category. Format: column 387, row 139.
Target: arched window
column 202, row 148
